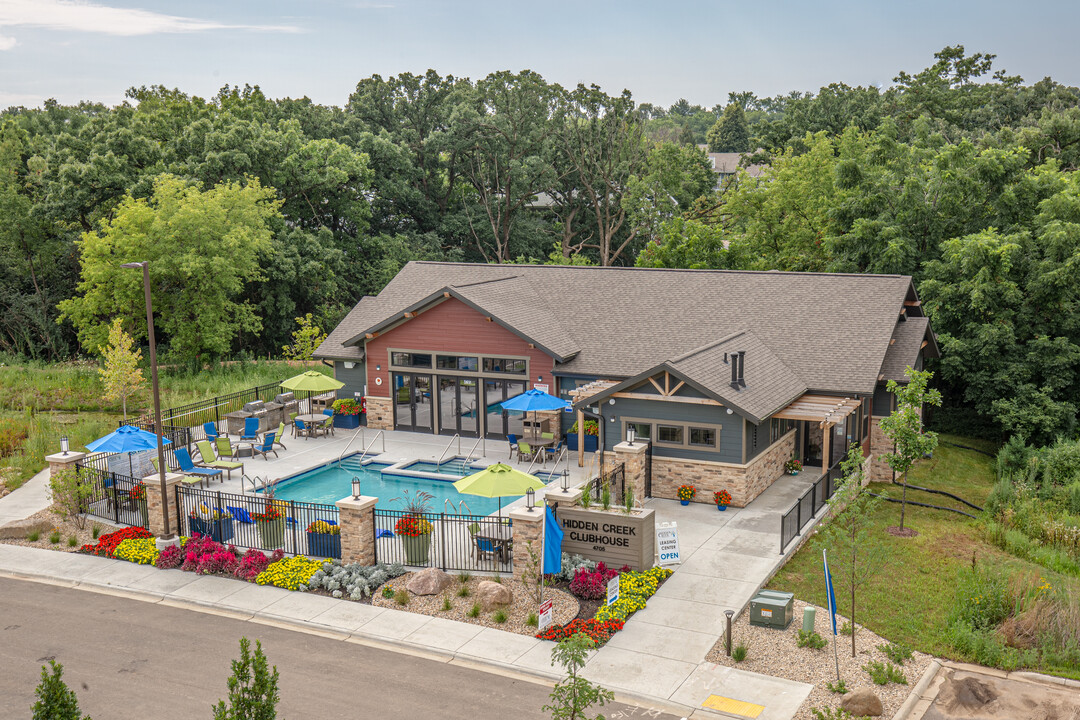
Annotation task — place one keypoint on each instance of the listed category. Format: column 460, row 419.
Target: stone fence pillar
column 561, row 499
column 633, row 459
column 60, row 462
column 356, row 518
column 528, row 526
column 155, row 502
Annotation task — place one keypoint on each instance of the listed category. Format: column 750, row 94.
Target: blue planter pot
column 591, row 442
column 323, row 545
column 220, row 531
column 684, row 502
column 347, row 422
column 721, row 508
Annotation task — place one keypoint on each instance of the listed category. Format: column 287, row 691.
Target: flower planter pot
column 684, row 502
column 144, row 513
column 271, row 533
column 591, row 442
column 721, row 508
column 347, row 422
column 792, row 472
column 416, row 549
column 323, row 545
column 219, row 531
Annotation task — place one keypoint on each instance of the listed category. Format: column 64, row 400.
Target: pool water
column 331, row 482
column 455, row 467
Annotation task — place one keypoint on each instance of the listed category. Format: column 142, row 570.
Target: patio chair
column 211, row 431
column 328, row 424
column 183, row 458
column 266, row 447
column 525, row 451
column 486, row 549
column 553, row 452
column 280, row 434
column 301, row 428
column 547, row 435
column 292, row 421
column 513, row 443
column 251, row 429
column 225, row 448
column 208, row 458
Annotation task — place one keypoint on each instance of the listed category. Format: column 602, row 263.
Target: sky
column 661, row 50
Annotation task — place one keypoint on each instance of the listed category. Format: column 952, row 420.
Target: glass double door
column 459, row 405
column 498, row 422
column 413, row 402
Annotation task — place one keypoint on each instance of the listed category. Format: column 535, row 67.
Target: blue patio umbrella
column 126, row 439
column 534, row 400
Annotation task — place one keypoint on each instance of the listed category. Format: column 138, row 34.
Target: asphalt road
column 131, row 659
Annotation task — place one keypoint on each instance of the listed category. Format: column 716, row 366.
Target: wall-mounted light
column 611, row 419
column 349, row 365
column 64, row 444
column 378, row 367
column 539, row 378
column 355, row 487
column 729, row 411
column 611, row 401
column 631, row 435
column 530, row 499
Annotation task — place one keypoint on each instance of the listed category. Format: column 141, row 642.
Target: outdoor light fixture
column 355, row 487
column 64, row 444
column 729, row 411
column 611, row 401
column 566, row 481
column 727, row 632
column 378, row 367
column 630, row 436
column 539, row 378
column 611, row 419
column 530, row 499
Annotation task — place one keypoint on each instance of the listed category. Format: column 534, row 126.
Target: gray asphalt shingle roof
column 831, row 331
column 904, row 349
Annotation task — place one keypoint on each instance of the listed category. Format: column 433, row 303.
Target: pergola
column 826, row 410
column 579, row 394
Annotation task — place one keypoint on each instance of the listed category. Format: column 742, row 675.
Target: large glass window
column 669, row 434
column 703, row 437
column 457, row 362
column 504, row 365
column 405, row 359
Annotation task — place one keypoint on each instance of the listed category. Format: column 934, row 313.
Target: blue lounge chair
column 240, row 514
column 251, row 429
column 183, row 458
column 211, row 431
column 266, row 447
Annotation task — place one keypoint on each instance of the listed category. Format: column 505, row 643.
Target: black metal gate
column 648, row 470
column 444, row 540
column 614, row 480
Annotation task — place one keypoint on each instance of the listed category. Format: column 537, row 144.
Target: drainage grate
column 733, row 707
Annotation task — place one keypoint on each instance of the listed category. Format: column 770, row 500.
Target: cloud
column 81, row 16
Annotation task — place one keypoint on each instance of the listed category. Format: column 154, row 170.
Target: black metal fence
column 110, row 496
column 230, row 518
column 444, row 540
column 647, row 490
column 209, row 410
column 614, row 480
column 807, row 506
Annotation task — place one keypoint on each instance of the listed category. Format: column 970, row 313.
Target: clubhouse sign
column 614, row 537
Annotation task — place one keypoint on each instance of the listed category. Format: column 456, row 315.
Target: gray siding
column 354, row 379
column 757, row 439
column 883, row 401
column 730, row 440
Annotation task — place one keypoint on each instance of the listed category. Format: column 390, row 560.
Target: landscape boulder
column 19, row 529
column 431, row 581
column 493, row 595
column 862, row 703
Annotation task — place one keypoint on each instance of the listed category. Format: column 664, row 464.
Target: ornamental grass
column 290, row 573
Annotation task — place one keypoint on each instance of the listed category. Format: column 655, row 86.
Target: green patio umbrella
column 498, row 481
column 312, row 381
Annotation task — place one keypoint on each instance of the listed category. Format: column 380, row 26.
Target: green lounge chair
column 208, row 458
column 225, row 448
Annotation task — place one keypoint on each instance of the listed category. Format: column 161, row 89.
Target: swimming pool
column 333, row 481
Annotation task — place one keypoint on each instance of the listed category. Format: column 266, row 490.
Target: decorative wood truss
column 824, row 409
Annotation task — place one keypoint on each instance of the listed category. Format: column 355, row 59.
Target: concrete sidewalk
column 31, row 497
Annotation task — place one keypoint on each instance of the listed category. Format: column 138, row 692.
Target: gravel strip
column 67, row 529
column 776, row 653
column 564, row 606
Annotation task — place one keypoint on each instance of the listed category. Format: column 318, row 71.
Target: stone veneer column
column 562, row 499
column 633, row 459
column 356, row 518
column 380, row 412
column 60, row 461
column 154, row 503
column 880, row 471
column 527, row 526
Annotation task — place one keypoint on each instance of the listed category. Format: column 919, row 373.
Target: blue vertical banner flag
column 553, row 535
column 829, row 591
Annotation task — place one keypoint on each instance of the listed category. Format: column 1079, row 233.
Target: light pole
column 145, row 265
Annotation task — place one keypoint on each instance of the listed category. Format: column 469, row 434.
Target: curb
column 387, row 644
column 916, row 693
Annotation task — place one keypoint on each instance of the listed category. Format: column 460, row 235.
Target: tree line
column 255, row 212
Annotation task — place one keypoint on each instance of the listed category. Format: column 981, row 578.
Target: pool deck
column 307, row 453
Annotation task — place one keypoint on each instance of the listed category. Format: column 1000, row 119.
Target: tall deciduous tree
column 203, row 248
column 856, row 551
column 731, row 133
column 121, row 375
column 905, row 425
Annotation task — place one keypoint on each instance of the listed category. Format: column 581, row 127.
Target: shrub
column 108, row 542
column 572, row 563
column 811, row 639
column 353, row 580
column 254, row 563
column 884, row 673
column 55, row 700
column 1071, row 498
column 1061, row 462
column 71, row 495
column 33, row 536
column 897, row 652
column 839, row 687
column 54, row 537
column 253, row 689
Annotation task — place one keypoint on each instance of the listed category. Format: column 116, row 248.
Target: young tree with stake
column 905, row 427
column 122, row 375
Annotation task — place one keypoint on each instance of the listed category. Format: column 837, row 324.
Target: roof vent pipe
column 735, row 370
column 742, row 367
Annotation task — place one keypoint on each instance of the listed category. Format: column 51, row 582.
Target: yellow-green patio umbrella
column 498, row 481
column 312, row 381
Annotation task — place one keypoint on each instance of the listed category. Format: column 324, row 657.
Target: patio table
column 500, row 537
column 312, row 419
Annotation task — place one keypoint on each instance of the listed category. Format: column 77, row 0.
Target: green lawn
column 49, row 401
column 910, row 597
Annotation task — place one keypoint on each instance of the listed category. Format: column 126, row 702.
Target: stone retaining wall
column 879, row 445
column 380, row 413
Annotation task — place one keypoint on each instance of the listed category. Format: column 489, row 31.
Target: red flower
column 138, row 491
column 106, row 544
column 413, row 526
column 599, row 631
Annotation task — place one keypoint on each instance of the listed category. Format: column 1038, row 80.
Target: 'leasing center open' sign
column 611, row 536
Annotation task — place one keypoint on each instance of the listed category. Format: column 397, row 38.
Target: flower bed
column 599, row 631
column 107, row 544
column 635, row 588
column 290, row 573
column 142, row 551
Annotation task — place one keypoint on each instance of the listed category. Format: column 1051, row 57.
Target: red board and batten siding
column 452, row 327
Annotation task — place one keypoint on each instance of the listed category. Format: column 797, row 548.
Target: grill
column 289, row 406
column 258, row 409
